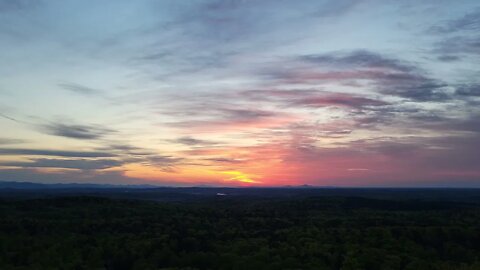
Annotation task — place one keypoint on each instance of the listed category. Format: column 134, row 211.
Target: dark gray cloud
column 10, row 141
column 416, row 87
column 8, row 117
column 459, row 36
column 472, row 90
column 163, row 160
column 57, row 153
column 446, row 123
column 468, row 22
column 80, row 164
column 133, row 154
column 187, row 140
column 458, row 45
column 343, row 100
column 471, row 124
column 313, row 98
column 386, row 75
column 80, row 89
column 360, row 58
column 246, row 114
column 84, row 132
column 448, row 58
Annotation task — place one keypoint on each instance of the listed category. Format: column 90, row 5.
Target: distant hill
column 30, row 185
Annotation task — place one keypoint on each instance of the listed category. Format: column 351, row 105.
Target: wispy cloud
column 4, row 141
column 80, row 89
column 468, row 22
column 472, row 90
column 57, row 153
column 187, row 140
column 360, row 58
column 83, row 132
column 385, row 75
column 313, row 98
column 80, row 164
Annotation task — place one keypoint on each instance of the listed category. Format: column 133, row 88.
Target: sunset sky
column 241, row 93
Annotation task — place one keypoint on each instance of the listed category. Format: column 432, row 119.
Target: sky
column 368, row 93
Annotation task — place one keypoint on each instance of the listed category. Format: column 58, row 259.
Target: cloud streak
column 82, row 132
column 80, row 89
column 79, row 164
column 57, row 153
column 384, row 75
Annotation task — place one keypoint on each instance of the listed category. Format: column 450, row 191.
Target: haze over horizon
column 241, row 92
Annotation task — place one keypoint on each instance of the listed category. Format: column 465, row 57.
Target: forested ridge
column 243, row 233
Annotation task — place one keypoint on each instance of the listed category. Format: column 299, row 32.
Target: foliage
column 310, row 233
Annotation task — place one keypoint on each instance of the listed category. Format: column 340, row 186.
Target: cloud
column 448, row 58
column 312, row 98
column 126, row 149
column 360, row 58
column 10, row 118
column 382, row 74
column 339, row 99
column 469, row 22
column 458, row 45
column 247, row 115
column 471, row 90
column 274, row 94
column 57, row 153
column 80, row 164
column 80, row 89
column 193, row 40
column 416, row 87
column 187, row 140
column 224, row 160
column 4, row 141
column 227, row 125
column 160, row 160
column 459, row 36
column 83, row 132
column 164, row 162
column 215, row 116
column 446, row 124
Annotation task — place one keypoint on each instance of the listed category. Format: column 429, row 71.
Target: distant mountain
column 30, row 185
column 304, row 186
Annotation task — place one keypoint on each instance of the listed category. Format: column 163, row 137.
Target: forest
column 310, row 232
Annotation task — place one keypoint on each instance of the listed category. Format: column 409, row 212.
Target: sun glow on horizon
column 238, row 176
